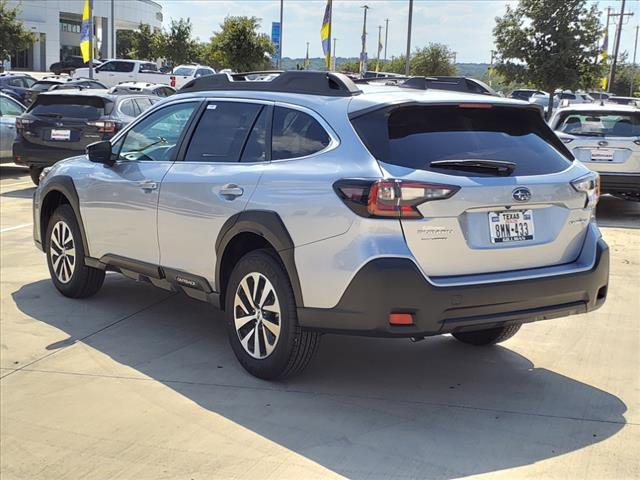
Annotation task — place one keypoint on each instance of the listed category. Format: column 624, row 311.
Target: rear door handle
column 231, row 190
column 148, row 185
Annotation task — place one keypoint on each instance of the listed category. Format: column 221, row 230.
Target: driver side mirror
column 100, row 152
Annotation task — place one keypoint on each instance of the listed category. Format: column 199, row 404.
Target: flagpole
column 329, row 38
column 91, row 40
column 280, row 44
column 407, row 65
column 334, row 66
column 379, row 47
column 386, row 37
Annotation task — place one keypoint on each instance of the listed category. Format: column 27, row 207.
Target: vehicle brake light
column 588, row 184
column 390, row 198
column 103, row 126
column 475, row 105
column 173, row 81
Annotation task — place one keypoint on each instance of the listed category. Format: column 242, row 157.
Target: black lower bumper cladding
column 396, row 285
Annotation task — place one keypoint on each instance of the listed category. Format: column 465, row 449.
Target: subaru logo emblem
column 603, row 143
column 521, row 194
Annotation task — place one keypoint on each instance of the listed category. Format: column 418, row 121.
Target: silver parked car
column 606, row 138
column 9, row 110
column 302, row 204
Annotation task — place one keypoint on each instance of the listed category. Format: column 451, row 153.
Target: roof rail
column 419, row 83
column 307, row 82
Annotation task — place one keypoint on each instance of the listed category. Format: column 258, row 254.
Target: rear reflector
column 475, row 105
column 401, row 319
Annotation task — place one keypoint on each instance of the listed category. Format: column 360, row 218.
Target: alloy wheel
column 63, row 252
column 257, row 316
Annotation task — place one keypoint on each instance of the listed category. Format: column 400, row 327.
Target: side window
column 9, row 108
column 107, row 67
column 128, row 108
column 221, row 132
column 255, row 150
column 124, row 67
column 202, row 71
column 155, row 137
column 296, row 134
column 28, row 82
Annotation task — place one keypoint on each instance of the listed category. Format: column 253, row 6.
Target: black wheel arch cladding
column 269, row 226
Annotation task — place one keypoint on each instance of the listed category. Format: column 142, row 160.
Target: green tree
column 146, row 44
column 240, row 47
column 351, row 66
column 432, row 60
column 177, row 46
column 124, row 42
column 13, row 36
column 548, row 44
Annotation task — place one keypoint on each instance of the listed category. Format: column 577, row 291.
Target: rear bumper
column 41, row 156
column 620, row 183
column 396, row 285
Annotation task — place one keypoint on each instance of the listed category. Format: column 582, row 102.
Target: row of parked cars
column 43, row 121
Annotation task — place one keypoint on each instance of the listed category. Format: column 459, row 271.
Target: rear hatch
column 515, row 208
column 605, row 141
column 68, row 122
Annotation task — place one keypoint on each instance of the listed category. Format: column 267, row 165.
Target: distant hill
column 475, row 70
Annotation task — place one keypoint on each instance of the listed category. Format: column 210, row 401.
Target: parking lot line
column 15, row 184
column 16, row 227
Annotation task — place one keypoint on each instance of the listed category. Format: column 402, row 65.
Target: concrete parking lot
column 139, row 383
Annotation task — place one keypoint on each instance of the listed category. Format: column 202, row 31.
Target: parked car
column 80, row 84
column 184, row 73
column 113, row 72
column 399, row 213
column 600, row 95
column 526, row 93
column 61, row 124
column 633, row 101
column 70, row 64
column 9, row 110
column 60, row 83
column 605, row 138
column 16, row 85
column 454, row 84
column 157, row 89
column 572, row 98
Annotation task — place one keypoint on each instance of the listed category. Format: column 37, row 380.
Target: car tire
column 490, row 336
column 260, row 306
column 65, row 256
column 34, row 173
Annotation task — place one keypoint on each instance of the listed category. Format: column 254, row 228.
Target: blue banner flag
column 325, row 34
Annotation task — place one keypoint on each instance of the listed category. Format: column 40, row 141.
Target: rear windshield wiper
column 501, row 167
column 46, row 114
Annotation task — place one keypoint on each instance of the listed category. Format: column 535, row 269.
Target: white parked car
column 157, row 89
column 185, row 73
column 606, row 138
column 113, row 72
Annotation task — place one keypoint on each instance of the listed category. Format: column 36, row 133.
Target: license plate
column 511, row 226
column 60, row 134
column 602, row 155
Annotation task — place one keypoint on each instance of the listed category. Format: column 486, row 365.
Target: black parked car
column 61, row 124
column 57, row 83
column 69, row 64
column 16, row 85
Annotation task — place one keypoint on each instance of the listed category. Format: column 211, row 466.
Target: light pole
column 635, row 50
column 386, row 36
column 335, row 66
column 280, row 44
column 363, row 54
column 407, row 64
column 616, row 47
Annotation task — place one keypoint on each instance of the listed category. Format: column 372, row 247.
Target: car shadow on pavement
column 366, row 408
column 617, row 213
column 24, row 193
column 14, row 172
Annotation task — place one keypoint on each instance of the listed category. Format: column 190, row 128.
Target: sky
column 464, row 25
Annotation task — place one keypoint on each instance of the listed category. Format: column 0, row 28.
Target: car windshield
column 187, row 71
column 418, row 137
column 43, row 85
column 600, row 124
column 69, row 106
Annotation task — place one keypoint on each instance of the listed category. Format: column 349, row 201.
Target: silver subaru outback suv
column 301, row 203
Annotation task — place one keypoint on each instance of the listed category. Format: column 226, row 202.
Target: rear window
column 186, row 71
column 415, row 136
column 42, row 86
column 600, row 124
column 69, row 106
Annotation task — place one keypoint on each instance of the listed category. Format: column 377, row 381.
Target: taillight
column 390, row 198
column 103, row 126
column 588, row 184
column 173, row 81
column 22, row 123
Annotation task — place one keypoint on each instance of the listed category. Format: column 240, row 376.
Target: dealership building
column 56, row 25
